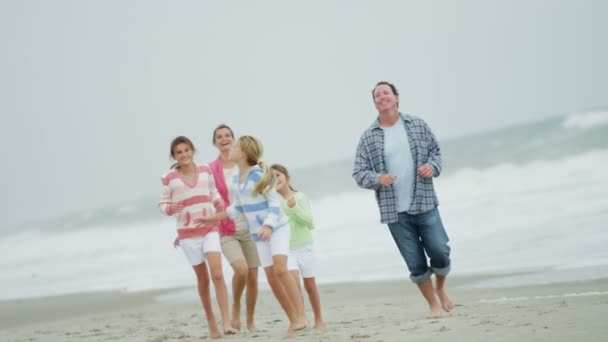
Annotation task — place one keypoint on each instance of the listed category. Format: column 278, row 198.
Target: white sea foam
column 504, row 300
column 586, row 120
column 547, row 215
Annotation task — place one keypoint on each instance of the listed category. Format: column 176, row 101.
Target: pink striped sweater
column 199, row 199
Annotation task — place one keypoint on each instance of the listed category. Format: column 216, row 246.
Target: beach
column 125, row 122
column 520, row 271
column 355, row 311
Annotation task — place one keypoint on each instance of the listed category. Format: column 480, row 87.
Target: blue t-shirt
column 399, row 162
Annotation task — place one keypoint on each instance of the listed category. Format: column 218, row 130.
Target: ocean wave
column 585, row 120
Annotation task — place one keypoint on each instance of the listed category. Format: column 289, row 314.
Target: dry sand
column 370, row 312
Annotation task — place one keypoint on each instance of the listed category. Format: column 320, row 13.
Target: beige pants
column 240, row 246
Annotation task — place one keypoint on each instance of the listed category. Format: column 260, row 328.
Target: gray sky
column 92, row 92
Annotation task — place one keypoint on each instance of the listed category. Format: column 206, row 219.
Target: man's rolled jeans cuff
column 419, row 279
column 444, row 271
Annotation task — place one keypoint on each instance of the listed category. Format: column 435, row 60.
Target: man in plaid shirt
column 397, row 157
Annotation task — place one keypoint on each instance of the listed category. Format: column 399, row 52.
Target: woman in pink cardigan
column 237, row 244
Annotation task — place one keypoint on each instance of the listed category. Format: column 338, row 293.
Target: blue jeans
column 417, row 234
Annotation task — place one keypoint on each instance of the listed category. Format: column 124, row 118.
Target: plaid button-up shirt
column 370, row 165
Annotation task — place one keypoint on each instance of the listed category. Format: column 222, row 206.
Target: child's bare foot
column 446, row 302
column 236, row 325
column 250, row 327
column 289, row 334
column 300, row 325
column 229, row 330
column 236, row 316
column 320, row 326
column 435, row 311
column 214, row 331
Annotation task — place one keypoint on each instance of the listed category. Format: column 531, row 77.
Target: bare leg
column 217, row 276
column 252, row 296
column 279, row 293
column 315, row 302
column 238, row 286
column 280, row 269
column 429, row 294
column 446, row 302
column 202, row 278
column 296, row 278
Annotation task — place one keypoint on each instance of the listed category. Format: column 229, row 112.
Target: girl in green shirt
column 295, row 204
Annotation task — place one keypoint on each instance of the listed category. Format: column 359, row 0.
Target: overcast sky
column 92, row 92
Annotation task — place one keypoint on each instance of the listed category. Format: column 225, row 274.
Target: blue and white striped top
column 261, row 209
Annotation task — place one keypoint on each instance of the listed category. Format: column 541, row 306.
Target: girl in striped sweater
column 189, row 193
column 269, row 226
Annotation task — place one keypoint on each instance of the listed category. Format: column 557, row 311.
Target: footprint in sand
column 359, row 336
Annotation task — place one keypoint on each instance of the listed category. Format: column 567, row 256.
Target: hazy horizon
column 93, row 92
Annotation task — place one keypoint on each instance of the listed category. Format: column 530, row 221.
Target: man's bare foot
column 320, row 326
column 251, row 327
column 435, row 311
column 446, row 302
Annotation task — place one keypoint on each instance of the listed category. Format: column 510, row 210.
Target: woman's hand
column 206, row 220
column 265, row 233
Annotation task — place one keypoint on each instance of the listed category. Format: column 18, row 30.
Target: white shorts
column 196, row 248
column 305, row 261
column 277, row 245
column 292, row 264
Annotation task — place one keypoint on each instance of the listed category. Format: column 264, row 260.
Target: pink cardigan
column 227, row 226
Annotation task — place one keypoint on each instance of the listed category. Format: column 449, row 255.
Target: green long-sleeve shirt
column 300, row 220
